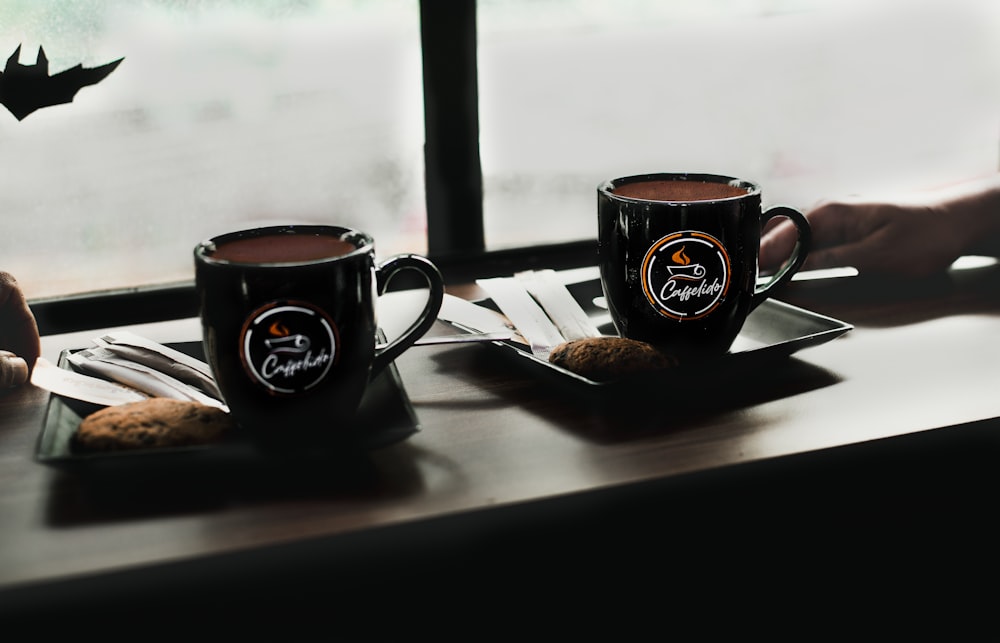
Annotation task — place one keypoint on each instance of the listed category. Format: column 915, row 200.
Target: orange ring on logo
column 654, row 301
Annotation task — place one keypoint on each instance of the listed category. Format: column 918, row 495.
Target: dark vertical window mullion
column 454, row 182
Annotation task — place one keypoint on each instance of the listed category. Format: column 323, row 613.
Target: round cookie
column 153, row 423
column 607, row 358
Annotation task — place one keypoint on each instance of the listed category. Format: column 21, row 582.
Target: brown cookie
column 607, row 358
column 153, row 423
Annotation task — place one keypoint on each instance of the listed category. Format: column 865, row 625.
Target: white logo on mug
column 288, row 346
column 686, row 275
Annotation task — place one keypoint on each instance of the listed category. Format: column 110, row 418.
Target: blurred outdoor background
column 227, row 114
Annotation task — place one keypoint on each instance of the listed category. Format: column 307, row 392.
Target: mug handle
column 799, row 252
column 384, row 272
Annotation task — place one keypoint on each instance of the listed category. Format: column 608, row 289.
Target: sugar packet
column 172, row 362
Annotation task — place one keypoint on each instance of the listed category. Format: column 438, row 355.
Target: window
column 228, row 114
column 222, row 115
column 811, row 98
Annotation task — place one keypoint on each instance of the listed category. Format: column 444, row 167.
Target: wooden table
column 863, row 464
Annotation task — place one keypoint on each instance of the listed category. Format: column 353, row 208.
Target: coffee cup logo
column 685, row 275
column 288, row 347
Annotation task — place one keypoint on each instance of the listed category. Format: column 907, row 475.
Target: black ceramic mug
column 289, row 327
column 678, row 256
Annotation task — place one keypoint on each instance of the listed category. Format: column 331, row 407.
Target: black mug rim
column 607, row 187
column 362, row 242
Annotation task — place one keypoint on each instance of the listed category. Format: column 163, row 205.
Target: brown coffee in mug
column 283, row 248
column 679, row 191
column 289, row 328
column 678, row 255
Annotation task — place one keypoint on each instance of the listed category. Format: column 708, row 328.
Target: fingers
column 18, row 329
column 13, row 370
column 828, row 222
column 835, row 257
column 777, row 248
column 776, row 243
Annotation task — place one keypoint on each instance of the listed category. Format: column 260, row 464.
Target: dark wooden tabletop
column 502, row 467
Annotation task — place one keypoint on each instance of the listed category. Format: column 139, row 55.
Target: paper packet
column 164, row 359
column 104, row 363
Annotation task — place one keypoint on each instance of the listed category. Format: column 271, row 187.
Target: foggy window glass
column 222, row 115
column 812, row 98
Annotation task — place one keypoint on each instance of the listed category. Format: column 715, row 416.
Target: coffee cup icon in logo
column 685, row 275
column 283, row 341
column 684, row 268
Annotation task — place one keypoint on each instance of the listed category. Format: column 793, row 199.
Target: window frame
column 453, row 183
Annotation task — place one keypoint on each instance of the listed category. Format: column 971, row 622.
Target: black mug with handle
column 289, row 327
column 678, row 255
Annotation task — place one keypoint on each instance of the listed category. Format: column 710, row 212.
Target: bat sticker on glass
column 26, row 88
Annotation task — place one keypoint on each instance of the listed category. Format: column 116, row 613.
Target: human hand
column 18, row 333
column 910, row 237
